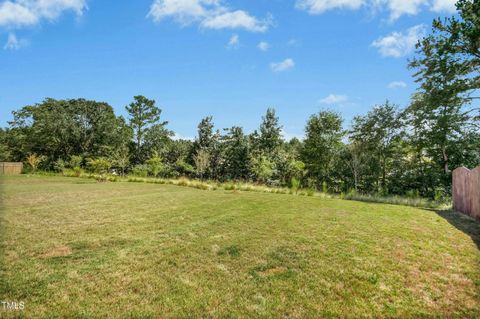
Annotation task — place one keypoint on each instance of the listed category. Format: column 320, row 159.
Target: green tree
column 448, row 58
column 202, row 163
column 157, row 139
column 208, row 141
column 121, row 158
column 62, row 128
column 378, row 133
column 323, row 138
column 205, row 137
column 143, row 115
column 155, row 164
column 444, row 109
column 235, row 153
column 262, row 168
column 270, row 138
column 5, row 154
column 100, row 165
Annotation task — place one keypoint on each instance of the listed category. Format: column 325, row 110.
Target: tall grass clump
column 413, row 199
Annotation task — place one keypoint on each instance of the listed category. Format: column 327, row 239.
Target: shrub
column 140, row 170
column 77, row 171
column 75, row 161
column 60, row 166
column 262, row 168
column 34, row 161
column 295, row 185
column 202, row 162
column 324, row 187
column 413, row 193
column 155, row 165
column 100, row 165
column 184, row 168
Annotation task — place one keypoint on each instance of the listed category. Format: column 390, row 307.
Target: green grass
column 73, row 247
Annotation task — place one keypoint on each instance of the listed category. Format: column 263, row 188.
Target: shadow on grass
column 462, row 222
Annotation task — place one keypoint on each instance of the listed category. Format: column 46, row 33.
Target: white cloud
column 397, row 85
column 178, row 136
column 210, row 14
column 236, row 20
column 22, row 13
column 282, row 66
column 263, row 46
column 398, row 44
column 396, row 8
column 294, row 42
column 234, row 42
column 287, row 136
column 13, row 43
column 333, row 99
column 320, row 6
column 444, row 5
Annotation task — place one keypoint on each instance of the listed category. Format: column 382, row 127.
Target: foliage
column 322, row 144
column 377, row 135
column 34, row 161
column 100, row 165
column 62, row 128
column 236, row 153
column 155, row 165
column 184, row 168
column 140, row 170
column 60, row 165
column 295, row 185
column 121, row 158
column 443, row 111
column 270, row 139
column 145, row 123
column 262, row 168
column 202, row 163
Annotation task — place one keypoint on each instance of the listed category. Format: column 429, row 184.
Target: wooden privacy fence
column 8, row 168
column 466, row 191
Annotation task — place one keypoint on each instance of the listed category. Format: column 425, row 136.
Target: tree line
column 409, row 151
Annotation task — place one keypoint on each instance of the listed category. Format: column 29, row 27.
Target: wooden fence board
column 466, row 191
column 9, row 168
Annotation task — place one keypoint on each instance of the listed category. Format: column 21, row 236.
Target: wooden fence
column 466, row 191
column 8, row 168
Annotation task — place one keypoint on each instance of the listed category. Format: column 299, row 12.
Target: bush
column 155, row 165
column 140, row 170
column 60, row 165
column 77, row 171
column 34, row 161
column 295, row 185
column 100, row 165
column 324, row 187
column 413, row 193
column 75, row 161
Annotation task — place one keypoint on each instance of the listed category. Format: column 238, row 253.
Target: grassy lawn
column 76, row 248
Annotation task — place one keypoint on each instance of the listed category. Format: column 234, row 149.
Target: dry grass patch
column 58, row 251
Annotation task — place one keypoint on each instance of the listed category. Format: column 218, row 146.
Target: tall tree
column 235, row 153
column 323, row 138
column 62, row 128
column 270, row 138
column 378, row 132
column 208, row 141
column 143, row 115
column 447, row 67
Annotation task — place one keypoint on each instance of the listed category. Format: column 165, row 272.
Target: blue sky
column 226, row 58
